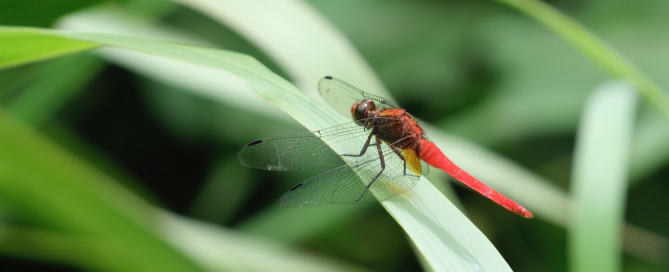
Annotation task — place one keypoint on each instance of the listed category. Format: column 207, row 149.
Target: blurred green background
column 477, row 69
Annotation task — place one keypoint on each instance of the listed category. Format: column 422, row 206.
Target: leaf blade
column 600, row 177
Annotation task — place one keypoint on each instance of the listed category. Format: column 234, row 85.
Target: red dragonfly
column 392, row 168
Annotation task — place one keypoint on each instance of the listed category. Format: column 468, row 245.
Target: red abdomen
column 432, row 155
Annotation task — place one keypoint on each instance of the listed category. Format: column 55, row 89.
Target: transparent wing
column 304, row 150
column 346, row 184
column 341, row 95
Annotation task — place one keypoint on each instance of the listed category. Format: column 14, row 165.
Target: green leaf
column 445, row 237
column 59, row 81
column 600, row 178
column 224, row 250
column 63, row 193
column 305, row 45
column 23, row 45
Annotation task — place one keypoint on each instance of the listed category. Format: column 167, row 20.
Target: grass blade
column 302, row 41
column 600, row 178
column 24, row 45
column 596, row 49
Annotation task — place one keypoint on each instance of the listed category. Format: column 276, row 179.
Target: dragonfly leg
column 383, row 167
column 364, row 147
column 399, row 153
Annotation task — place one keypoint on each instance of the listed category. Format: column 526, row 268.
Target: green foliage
column 100, row 148
column 600, row 173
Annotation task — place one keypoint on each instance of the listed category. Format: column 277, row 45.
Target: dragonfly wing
column 304, row 150
column 346, row 184
column 341, row 95
column 337, row 186
column 289, row 152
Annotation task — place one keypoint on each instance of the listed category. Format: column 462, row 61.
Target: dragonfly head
column 361, row 111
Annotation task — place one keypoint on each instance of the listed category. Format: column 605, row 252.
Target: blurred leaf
column 38, row 12
column 218, row 85
column 301, row 41
column 650, row 149
column 596, row 49
column 61, row 192
column 221, row 197
column 420, row 49
column 288, row 225
column 24, row 45
column 600, row 177
column 59, row 82
column 539, row 90
column 222, row 250
column 199, row 119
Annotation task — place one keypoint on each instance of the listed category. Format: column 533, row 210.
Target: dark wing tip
column 254, row 143
column 296, row 186
column 328, row 77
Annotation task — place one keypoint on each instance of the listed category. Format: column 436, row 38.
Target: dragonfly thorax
column 394, row 126
column 397, row 128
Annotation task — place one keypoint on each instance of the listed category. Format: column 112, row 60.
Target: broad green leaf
column 600, row 178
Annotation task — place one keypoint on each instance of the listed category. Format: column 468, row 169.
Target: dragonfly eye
column 360, row 110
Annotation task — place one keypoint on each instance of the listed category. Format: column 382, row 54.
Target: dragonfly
column 385, row 147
